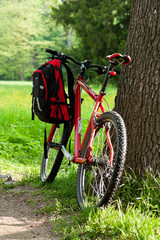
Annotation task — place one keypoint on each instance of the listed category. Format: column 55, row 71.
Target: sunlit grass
column 135, row 215
column 21, row 139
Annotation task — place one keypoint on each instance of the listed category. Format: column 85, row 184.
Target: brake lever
column 101, row 71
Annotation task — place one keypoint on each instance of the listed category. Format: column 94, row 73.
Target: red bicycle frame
column 91, row 126
column 98, row 104
column 78, row 146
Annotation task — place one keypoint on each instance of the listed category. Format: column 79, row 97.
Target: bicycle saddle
column 118, row 58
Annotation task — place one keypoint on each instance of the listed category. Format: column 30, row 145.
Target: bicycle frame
column 80, row 83
column 92, row 123
column 98, row 100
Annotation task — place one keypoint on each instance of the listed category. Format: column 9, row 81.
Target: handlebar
column 62, row 56
column 114, row 58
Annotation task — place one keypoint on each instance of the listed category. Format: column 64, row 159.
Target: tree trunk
column 69, row 41
column 138, row 96
column 21, row 76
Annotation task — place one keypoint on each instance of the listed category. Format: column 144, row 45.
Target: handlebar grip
column 52, row 52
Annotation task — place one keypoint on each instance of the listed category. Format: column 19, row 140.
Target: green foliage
column 143, row 194
column 129, row 225
column 100, row 25
column 26, row 30
column 134, row 216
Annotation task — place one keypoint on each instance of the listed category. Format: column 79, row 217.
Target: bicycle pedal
column 54, row 145
column 67, row 154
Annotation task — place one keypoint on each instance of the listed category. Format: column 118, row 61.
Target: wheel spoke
column 99, row 181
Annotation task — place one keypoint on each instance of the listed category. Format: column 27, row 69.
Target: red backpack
column 49, row 99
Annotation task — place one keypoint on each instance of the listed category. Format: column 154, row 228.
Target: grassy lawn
column 135, row 212
column 21, row 139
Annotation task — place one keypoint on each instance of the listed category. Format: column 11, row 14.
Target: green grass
column 135, row 213
column 20, row 138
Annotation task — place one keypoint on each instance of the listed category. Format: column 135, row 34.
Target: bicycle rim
column 98, row 182
column 51, row 164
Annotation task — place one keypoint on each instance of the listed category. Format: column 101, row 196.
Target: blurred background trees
column 87, row 29
column 26, row 29
column 101, row 26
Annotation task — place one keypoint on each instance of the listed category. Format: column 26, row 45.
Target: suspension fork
column 110, row 145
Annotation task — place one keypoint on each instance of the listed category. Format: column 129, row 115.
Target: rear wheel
column 51, row 162
column 98, row 181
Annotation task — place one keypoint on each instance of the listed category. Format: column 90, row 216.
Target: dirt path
column 18, row 219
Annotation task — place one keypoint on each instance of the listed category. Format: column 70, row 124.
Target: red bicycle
column 101, row 153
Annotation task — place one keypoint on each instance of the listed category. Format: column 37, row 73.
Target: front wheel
column 98, row 181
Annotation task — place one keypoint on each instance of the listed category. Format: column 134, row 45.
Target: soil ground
column 18, row 219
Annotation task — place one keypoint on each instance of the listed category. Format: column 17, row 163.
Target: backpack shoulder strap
column 70, row 87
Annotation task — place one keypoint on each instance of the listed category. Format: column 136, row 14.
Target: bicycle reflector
column 113, row 73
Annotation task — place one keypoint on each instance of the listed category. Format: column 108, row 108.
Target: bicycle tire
column 97, row 184
column 50, row 165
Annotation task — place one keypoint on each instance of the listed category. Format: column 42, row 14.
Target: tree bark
column 69, row 41
column 21, row 76
column 138, row 96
